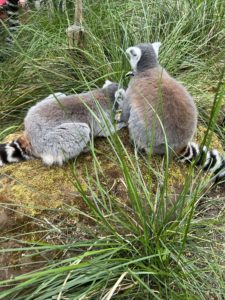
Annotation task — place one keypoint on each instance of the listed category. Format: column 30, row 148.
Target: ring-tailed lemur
column 161, row 112
column 59, row 4
column 60, row 127
column 11, row 9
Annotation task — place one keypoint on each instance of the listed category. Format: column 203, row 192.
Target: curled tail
column 210, row 160
column 15, row 151
column 12, row 10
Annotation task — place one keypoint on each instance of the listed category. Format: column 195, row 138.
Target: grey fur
column 60, row 127
column 148, row 58
column 156, row 103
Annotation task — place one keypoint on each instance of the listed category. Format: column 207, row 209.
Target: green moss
column 32, row 186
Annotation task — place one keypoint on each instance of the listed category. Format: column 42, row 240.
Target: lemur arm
column 123, row 111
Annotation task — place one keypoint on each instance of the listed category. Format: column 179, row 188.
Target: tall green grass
column 157, row 245
column 192, row 36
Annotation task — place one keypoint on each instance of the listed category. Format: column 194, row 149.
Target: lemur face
column 110, row 89
column 134, row 55
column 143, row 56
column 117, row 96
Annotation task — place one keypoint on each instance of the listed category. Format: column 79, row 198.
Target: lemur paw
column 118, row 104
column 120, row 96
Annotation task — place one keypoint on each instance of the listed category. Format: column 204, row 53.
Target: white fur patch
column 218, row 161
column 207, row 160
column 9, row 152
column 48, row 159
column 134, row 56
column 190, row 148
column 1, row 163
column 156, row 47
column 59, row 160
column 106, row 84
column 55, row 96
column 191, row 153
column 195, row 146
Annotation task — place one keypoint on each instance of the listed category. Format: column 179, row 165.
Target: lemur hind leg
column 64, row 142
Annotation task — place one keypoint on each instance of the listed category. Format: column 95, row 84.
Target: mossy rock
column 33, row 187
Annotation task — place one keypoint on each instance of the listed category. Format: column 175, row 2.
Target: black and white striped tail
column 12, row 10
column 61, row 4
column 11, row 153
column 210, row 160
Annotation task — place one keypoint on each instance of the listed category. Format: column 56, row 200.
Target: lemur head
column 110, row 88
column 143, row 56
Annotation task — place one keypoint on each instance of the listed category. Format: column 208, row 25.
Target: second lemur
column 60, row 127
column 160, row 111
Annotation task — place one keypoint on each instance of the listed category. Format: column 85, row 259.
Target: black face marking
column 132, row 52
column 115, row 106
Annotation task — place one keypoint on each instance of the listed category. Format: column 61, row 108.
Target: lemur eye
column 132, row 52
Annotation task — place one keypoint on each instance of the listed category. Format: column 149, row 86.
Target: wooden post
column 75, row 32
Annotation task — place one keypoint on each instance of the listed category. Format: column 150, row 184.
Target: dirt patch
column 14, row 263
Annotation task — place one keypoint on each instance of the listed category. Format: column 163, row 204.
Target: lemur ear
column 107, row 83
column 156, row 47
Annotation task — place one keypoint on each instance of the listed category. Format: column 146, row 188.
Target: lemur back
column 59, row 127
column 158, row 102
column 160, row 111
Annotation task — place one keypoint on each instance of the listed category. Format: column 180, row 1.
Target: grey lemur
column 161, row 112
column 59, row 127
